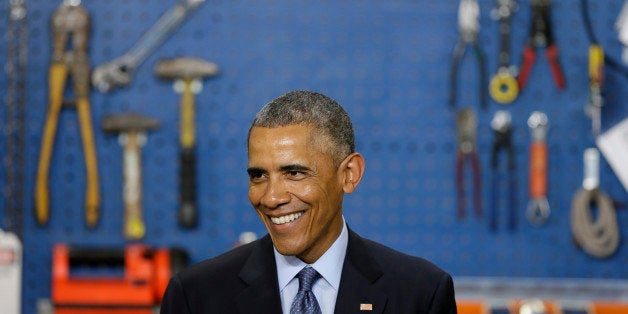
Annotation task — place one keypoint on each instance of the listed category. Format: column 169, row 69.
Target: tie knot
column 307, row 277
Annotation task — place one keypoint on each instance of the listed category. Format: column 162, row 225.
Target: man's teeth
column 285, row 219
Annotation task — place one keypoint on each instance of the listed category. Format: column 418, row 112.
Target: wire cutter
column 469, row 27
column 502, row 125
column 466, row 122
column 70, row 21
column 541, row 37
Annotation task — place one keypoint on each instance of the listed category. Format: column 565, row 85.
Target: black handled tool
column 187, row 73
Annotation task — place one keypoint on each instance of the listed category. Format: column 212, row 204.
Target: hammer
column 132, row 129
column 187, row 73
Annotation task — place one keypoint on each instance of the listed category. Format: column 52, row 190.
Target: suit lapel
column 260, row 273
column 359, row 273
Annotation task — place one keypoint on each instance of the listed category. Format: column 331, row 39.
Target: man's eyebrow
column 293, row 167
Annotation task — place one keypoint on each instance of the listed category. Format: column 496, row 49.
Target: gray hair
column 318, row 110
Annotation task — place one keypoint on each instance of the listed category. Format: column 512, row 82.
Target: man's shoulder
column 412, row 284
column 394, row 262
column 225, row 264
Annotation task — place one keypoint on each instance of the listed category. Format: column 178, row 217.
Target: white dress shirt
column 329, row 266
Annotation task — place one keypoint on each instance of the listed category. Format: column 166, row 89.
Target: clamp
column 503, row 86
column 541, row 37
column 469, row 27
column 69, row 22
column 502, row 126
column 538, row 210
column 467, row 122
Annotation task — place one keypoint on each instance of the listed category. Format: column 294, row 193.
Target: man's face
column 295, row 189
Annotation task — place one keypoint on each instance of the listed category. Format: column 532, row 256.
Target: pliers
column 469, row 27
column 502, row 125
column 69, row 22
column 541, row 37
column 466, row 122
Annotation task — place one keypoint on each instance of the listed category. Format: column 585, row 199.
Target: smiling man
column 302, row 161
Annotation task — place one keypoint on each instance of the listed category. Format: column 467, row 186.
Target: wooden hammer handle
column 134, row 228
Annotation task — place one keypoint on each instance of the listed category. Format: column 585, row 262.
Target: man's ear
column 352, row 170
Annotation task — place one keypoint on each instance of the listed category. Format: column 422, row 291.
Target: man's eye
column 294, row 174
column 256, row 176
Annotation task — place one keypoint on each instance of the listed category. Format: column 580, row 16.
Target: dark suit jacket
column 244, row 280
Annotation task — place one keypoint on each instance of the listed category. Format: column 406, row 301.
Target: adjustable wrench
column 118, row 73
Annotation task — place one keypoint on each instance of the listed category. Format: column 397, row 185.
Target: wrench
column 538, row 207
column 118, row 72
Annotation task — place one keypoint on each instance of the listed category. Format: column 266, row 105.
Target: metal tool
column 540, row 37
column 119, row 72
column 15, row 116
column 503, row 87
column 70, row 22
column 622, row 28
column 596, row 78
column 538, row 210
column 132, row 129
column 466, row 123
column 502, row 125
column 598, row 237
column 187, row 73
column 469, row 27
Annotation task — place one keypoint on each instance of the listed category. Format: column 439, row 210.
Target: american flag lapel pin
column 366, row 307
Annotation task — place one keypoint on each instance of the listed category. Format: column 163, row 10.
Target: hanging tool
column 119, row 72
column 541, row 37
column 132, row 129
column 69, row 22
column 85, row 280
column 466, row 123
column 502, row 126
column 538, row 207
column 11, row 249
column 598, row 237
column 15, row 116
column 503, row 86
column 469, row 27
column 622, row 29
column 596, row 77
column 187, row 73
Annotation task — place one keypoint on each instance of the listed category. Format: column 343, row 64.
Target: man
column 302, row 161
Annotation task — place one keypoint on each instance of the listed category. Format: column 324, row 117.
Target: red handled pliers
column 540, row 37
column 466, row 123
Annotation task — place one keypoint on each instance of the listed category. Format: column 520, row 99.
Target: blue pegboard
column 387, row 62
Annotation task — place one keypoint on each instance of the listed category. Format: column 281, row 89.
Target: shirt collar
column 329, row 265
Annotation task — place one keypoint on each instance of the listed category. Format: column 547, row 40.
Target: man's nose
column 276, row 194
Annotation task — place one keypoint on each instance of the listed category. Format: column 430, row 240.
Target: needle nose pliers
column 469, row 27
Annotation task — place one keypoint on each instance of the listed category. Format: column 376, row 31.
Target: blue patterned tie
column 305, row 301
